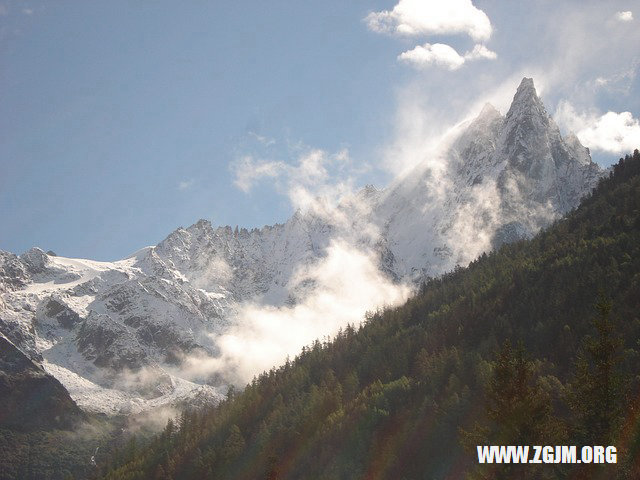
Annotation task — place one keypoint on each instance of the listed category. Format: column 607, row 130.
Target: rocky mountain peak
column 527, row 112
column 526, row 93
column 477, row 142
column 530, row 139
column 488, row 113
column 579, row 151
column 202, row 225
column 36, row 260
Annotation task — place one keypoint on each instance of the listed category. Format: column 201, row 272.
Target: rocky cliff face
column 543, row 171
column 31, row 399
column 116, row 334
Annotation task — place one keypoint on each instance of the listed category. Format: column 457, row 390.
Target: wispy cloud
column 347, row 283
column 619, row 82
column 316, row 174
column 4, row 9
column 266, row 141
column 186, row 184
column 248, row 171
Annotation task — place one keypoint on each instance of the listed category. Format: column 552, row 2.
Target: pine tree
column 519, row 413
column 273, row 471
column 160, row 473
column 596, row 388
column 234, row 445
column 517, row 405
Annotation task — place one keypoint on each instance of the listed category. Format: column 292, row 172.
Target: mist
column 345, row 284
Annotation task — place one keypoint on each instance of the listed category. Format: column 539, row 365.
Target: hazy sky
column 122, row 120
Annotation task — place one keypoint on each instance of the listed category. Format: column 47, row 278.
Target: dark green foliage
column 519, row 412
column 52, row 454
column 596, row 387
column 515, row 402
column 399, row 396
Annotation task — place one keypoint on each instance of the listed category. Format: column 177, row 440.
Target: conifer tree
column 519, row 413
column 596, row 388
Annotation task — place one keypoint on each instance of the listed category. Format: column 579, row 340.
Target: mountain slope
column 30, row 398
column 89, row 322
column 398, row 397
column 122, row 336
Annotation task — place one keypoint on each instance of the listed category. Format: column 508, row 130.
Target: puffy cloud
column 437, row 54
column 480, row 51
column 612, row 132
column 624, row 16
column 432, row 17
column 442, row 55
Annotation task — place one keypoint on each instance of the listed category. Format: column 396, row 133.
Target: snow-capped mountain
column 501, row 179
column 116, row 334
column 105, row 329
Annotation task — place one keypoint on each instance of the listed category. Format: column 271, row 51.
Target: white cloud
column 432, row 17
column 578, row 45
column 625, row 16
column 320, row 180
column 185, row 184
column 619, row 82
column 480, row 51
column 28, row 11
column 266, row 141
column 346, row 282
column 337, row 288
column 612, row 132
column 311, row 168
column 438, row 54
column 248, row 171
column 317, row 181
column 442, row 55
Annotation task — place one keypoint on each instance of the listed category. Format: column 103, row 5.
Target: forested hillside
column 535, row 344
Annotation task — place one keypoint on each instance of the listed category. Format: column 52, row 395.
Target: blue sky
column 120, row 121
